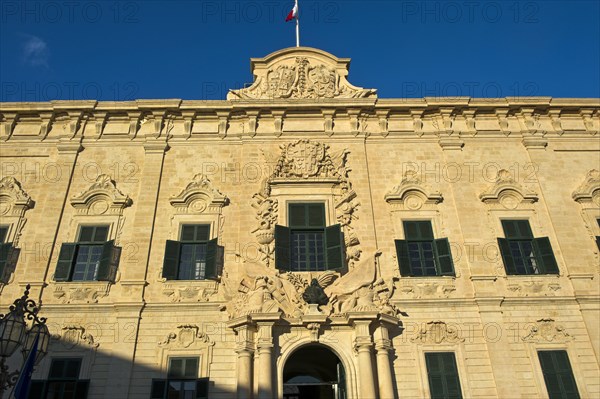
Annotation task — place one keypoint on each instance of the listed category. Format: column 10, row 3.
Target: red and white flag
column 293, row 14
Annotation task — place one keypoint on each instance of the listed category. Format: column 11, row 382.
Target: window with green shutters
column 8, row 255
column 91, row 258
column 194, row 257
column 307, row 244
column 558, row 375
column 442, row 373
column 63, row 381
column 524, row 254
column 182, row 381
column 598, row 237
column 420, row 254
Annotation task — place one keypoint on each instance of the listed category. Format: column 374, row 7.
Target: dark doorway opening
column 314, row 372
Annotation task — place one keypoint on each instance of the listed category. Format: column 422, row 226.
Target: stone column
column 264, row 345
column 363, row 344
column 244, row 347
column 383, row 346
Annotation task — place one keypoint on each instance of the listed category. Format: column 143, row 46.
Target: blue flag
column 22, row 387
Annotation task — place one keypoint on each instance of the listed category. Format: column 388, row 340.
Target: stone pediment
column 300, row 73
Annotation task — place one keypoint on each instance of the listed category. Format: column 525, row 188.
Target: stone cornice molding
column 101, row 197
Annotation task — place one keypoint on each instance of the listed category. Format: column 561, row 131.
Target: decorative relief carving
column 437, row 332
column 427, row 290
column 199, row 196
column 101, row 198
column 14, row 202
column 301, row 77
column 534, row 288
column 507, row 193
column 187, row 335
column 72, row 336
column 412, row 193
column 305, row 161
column 189, row 293
column 546, row 330
column 90, row 293
column 588, row 192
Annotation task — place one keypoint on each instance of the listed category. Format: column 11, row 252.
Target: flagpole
column 297, row 25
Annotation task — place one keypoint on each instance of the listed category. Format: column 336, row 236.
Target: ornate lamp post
column 13, row 333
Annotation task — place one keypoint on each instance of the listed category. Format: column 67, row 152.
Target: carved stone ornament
column 72, row 336
column 101, row 198
column 88, row 293
column 199, row 196
column 534, row 288
column 14, row 202
column 507, row 192
column 187, row 335
column 588, row 192
column 412, row 194
column 300, row 73
column 546, row 330
column 426, row 290
column 437, row 332
column 188, row 293
column 307, row 161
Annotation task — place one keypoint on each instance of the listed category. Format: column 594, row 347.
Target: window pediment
column 588, row 192
column 102, row 197
column 199, row 196
column 507, row 192
column 412, row 193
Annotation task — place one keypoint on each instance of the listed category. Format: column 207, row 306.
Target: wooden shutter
column 36, row 389
column 171, row 260
column 418, row 230
column 334, row 247
column 81, row 389
column 402, row 255
column 6, row 250
column 282, row 247
column 202, row 388
column 443, row 256
column 509, row 263
column 297, row 215
column 544, row 255
column 598, row 241
column 443, row 375
column 558, row 375
column 159, row 388
column 315, row 215
column 108, row 264
column 212, row 259
column 66, row 258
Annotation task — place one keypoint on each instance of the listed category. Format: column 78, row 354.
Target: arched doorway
column 314, row 372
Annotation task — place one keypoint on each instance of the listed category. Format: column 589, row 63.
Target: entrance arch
column 314, row 372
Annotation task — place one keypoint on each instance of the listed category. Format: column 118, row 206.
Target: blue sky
column 123, row 50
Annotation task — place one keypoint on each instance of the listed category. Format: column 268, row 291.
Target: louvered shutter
column 443, row 255
column 108, row 264
column 545, row 255
column 509, row 263
column 334, row 247
column 171, row 260
column 402, row 255
column 282, row 247
column 212, row 259
column 66, row 259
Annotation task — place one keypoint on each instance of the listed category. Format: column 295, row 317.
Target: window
column 63, row 382
column 8, row 255
column 182, row 381
column 194, row 257
column 91, row 258
column 443, row 375
column 419, row 254
column 598, row 237
column 558, row 375
column 306, row 244
column 524, row 254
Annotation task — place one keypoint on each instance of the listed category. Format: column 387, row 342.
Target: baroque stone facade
column 301, row 133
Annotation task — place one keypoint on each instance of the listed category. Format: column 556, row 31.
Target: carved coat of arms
column 305, row 158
